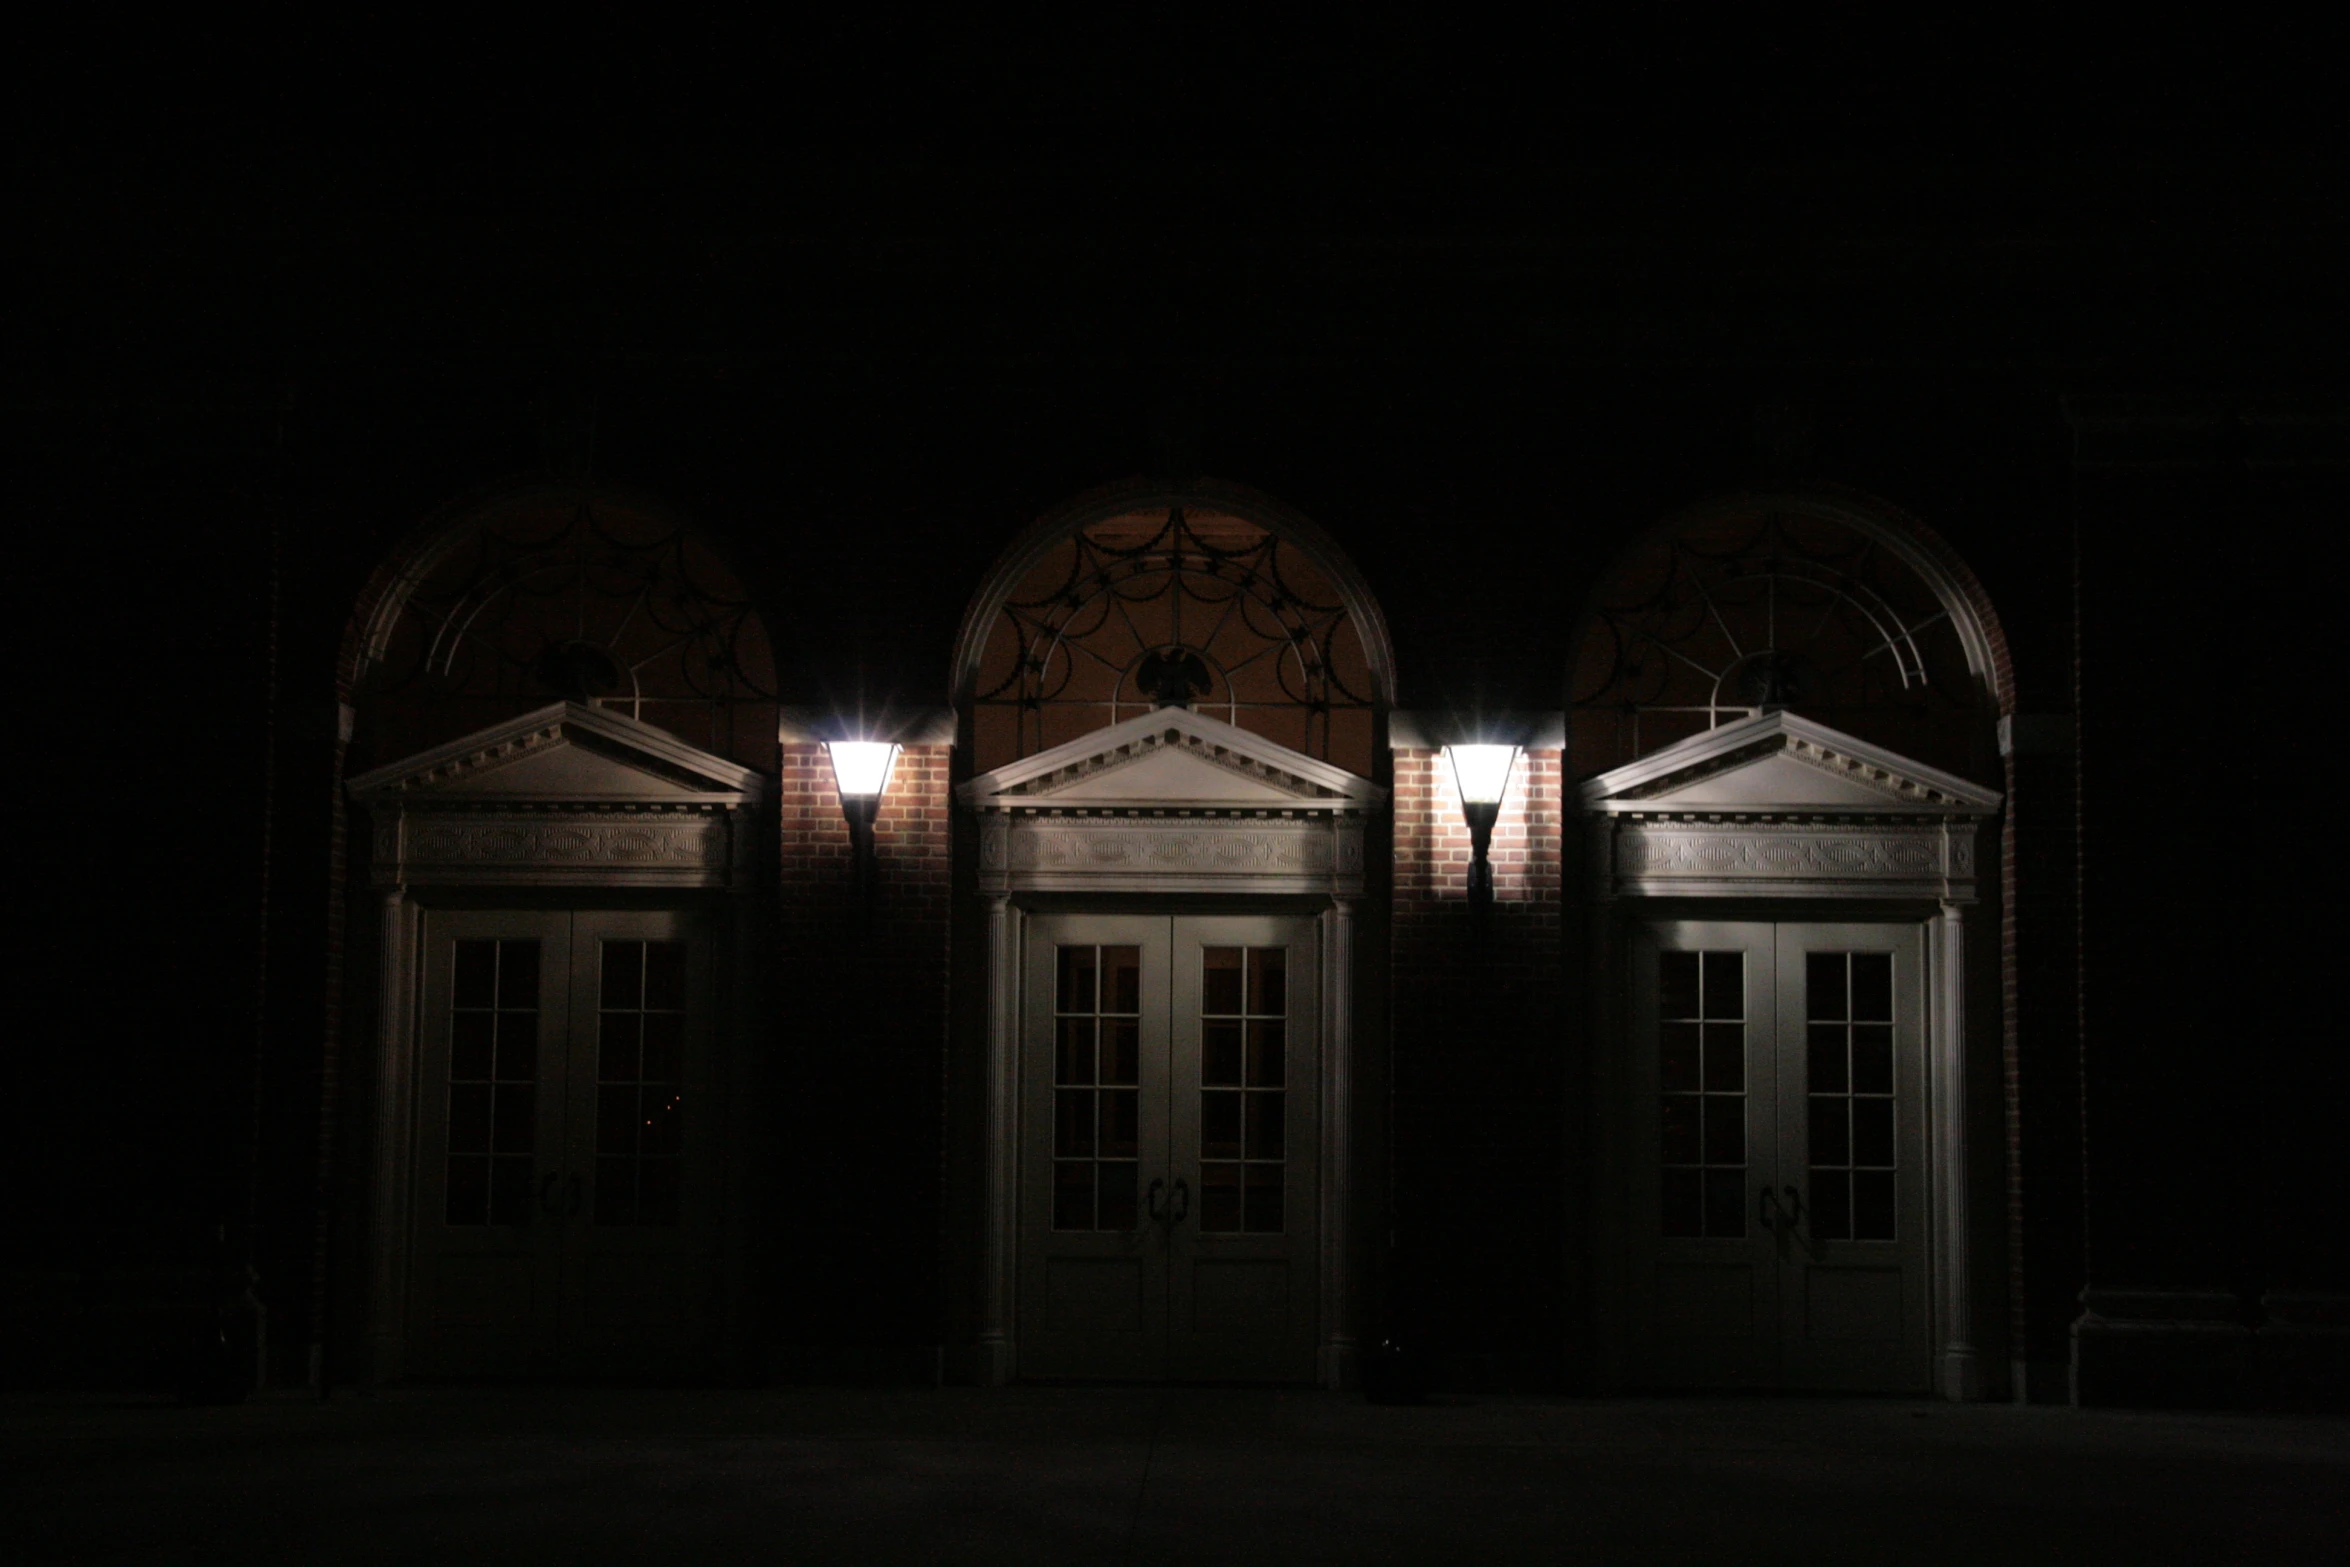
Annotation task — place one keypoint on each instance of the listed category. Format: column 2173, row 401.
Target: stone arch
column 1913, row 615
column 1301, row 651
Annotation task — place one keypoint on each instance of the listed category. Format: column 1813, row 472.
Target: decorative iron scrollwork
column 563, row 597
column 1213, row 613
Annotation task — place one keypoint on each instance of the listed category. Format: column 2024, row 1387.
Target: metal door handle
column 1182, row 1203
column 1766, row 1208
column 1794, row 1206
column 1150, row 1199
column 547, row 1203
column 571, row 1199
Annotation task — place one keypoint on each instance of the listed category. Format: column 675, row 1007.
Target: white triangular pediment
column 1778, row 762
column 1173, row 773
column 1173, row 758
column 564, row 753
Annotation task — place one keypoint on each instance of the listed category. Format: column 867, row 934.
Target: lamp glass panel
column 861, row 767
column 1482, row 771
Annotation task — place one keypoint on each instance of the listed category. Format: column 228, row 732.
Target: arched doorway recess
column 1174, row 698
column 1781, row 705
column 559, row 713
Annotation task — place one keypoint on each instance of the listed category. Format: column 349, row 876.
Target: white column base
column 1958, row 1374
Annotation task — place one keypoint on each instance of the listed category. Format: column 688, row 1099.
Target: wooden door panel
column 1820, row 1279
column 1210, row 1272
column 1697, row 1133
column 485, row 1260
column 572, row 1282
column 1093, row 1282
column 1854, row 1268
column 1245, row 1131
column 638, row 1254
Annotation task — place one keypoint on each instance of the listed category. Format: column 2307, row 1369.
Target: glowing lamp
column 861, row 768
column 1482, row 775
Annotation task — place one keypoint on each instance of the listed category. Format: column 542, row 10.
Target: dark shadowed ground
column 1040, row 1475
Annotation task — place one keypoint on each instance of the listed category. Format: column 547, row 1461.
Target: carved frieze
column 560, row 842
column 672, row 849
column 1119, row 852
column 1064, row 847
column 1922, row 858
column 1757, row 850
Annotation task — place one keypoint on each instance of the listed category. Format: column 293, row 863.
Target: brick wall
column 1479, row 1075
column 859, row 999
column 2040, row 1020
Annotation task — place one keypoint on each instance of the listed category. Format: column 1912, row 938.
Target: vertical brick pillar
column 859, row 1001
column 2041, row 1061
column 1480, row 1007
column 324, row 1172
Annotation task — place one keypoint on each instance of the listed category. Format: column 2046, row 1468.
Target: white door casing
column 1179, row 809
column 1776, row 821
column 562, row 807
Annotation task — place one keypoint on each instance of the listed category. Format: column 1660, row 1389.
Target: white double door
column 564, row 1172
column 1170, row 1131
column 1770, row 1129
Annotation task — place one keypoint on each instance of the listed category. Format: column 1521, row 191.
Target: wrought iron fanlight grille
column 582, row 601
column 1736, row 616
column 1195, row 609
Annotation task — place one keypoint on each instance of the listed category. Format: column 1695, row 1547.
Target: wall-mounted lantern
column 861, row 768
column 1482, row 774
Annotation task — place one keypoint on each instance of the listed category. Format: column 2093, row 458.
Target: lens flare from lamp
column 862, row 767
column 1482, row 772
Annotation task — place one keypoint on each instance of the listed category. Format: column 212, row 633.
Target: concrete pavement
column 1206, row 1475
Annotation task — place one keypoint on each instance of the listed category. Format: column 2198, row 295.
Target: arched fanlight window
column 1183, row 604
column 1746, row 608
column 544, row 596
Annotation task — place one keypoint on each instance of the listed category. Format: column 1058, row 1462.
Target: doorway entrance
column 1169, row 1175
column 565, row 1183
column 1777, row 1220
column 1782, row 980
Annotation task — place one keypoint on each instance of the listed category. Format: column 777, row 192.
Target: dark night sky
column 337, row 111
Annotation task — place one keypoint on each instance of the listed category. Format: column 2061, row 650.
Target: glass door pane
column 1097, row 1077
column 493, row 1081
column 1852, row 1159
column 1701, row 1066
column 641, row 1021
column 1243, row 1089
